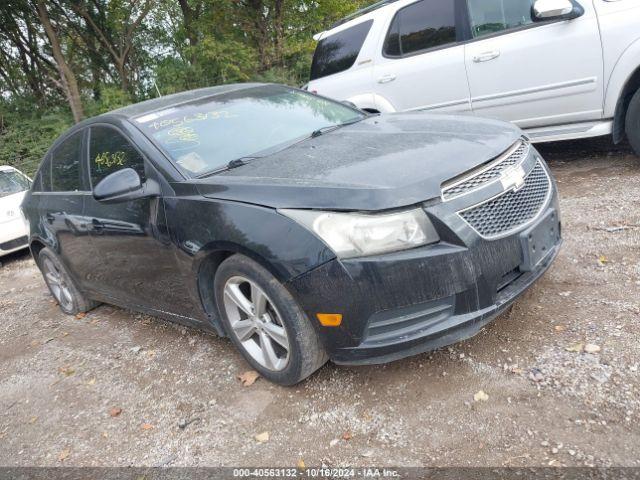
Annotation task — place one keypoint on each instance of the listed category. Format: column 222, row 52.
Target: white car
column 14, row 230
column 559, row 69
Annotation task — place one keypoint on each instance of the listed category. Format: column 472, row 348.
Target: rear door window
column 339, row 52
column 422, row 26
column 42, row 182
column 65, row 165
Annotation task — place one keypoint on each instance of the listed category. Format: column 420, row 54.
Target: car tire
column 632, row 123
column 70, row 300
column 273, row 334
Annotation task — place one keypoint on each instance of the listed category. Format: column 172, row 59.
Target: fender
column 625, row 67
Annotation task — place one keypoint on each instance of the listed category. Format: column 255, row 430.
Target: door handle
column 486, row 56
column 387, row 78
column 97, row 226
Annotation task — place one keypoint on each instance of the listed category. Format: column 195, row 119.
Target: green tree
column 63, row 59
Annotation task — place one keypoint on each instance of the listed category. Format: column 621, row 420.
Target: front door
column 420, row 66
column 134, row 261
column 533, row 74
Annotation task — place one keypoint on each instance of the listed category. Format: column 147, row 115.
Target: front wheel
column 632, row 123
column 266, row 323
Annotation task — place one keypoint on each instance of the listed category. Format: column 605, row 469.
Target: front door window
column 494, row 16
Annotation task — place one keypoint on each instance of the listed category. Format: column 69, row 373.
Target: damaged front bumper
column 405, row 303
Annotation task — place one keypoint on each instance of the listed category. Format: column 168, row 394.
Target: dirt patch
column 549, row 401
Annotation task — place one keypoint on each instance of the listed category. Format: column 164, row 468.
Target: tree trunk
column 261, row 35
column 67, row 76
column 279, row 32
column 189, row 17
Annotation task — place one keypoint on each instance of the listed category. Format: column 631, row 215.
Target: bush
column 27, row 133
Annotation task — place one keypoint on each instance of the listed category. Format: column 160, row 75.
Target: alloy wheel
column 56, row 281
column 256, row 323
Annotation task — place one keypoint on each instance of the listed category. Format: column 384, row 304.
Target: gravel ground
column 559, row 371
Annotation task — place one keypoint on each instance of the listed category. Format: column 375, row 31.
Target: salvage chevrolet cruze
column 301, row 228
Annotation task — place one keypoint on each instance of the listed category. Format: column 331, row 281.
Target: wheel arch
column 207, row 264
column 619, row 119
column 372, row 103
column 623, row 83
column 36, row 246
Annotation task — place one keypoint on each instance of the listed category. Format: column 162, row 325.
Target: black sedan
column 301, row 228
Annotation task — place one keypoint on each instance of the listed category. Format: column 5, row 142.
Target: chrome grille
column 512, row 209
column 487, row 173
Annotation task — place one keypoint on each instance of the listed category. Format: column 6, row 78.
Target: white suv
column 559, row 69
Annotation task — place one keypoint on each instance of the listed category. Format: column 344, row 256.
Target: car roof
column 371, row 12
column 363, row 11
column 7, row 168
column 168, row 101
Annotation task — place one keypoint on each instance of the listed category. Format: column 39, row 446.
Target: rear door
column 533, row 74
column 420, row 60
column 64, row 190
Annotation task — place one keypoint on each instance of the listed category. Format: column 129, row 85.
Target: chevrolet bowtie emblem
column 513, row 179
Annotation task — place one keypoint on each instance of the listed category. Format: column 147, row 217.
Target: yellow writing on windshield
column 184, row 134
column 187, row 119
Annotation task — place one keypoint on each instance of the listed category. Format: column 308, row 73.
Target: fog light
column 330, row 319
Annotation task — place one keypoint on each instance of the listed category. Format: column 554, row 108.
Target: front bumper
column 401, row 304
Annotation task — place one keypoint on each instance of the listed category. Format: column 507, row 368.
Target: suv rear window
column 339, row 52
column 421, row 26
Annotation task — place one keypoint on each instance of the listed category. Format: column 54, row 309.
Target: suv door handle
column 486, row 56
column 387, row 78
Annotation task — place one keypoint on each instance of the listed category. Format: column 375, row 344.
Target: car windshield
column 12, row 182
column 206, row 135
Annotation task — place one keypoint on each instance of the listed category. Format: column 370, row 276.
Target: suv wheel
column 632, row 123
column 62, row 287
column 265, row 322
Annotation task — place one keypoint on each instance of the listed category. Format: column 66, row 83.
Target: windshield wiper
column 238, row 162
column 323, row 130
column 330, row 128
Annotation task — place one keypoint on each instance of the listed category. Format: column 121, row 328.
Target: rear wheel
column 632, row 123
column 62, row 286
column 265, row 322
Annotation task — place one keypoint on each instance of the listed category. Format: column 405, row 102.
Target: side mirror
column 556, row 9
column 123, row 186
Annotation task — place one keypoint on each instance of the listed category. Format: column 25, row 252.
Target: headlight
column 359, row 234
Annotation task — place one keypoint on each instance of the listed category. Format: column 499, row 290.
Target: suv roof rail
column 362, row 11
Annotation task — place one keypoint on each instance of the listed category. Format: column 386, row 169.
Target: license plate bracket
column 538, row 241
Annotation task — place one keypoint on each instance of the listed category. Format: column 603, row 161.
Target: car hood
column 383, row 162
